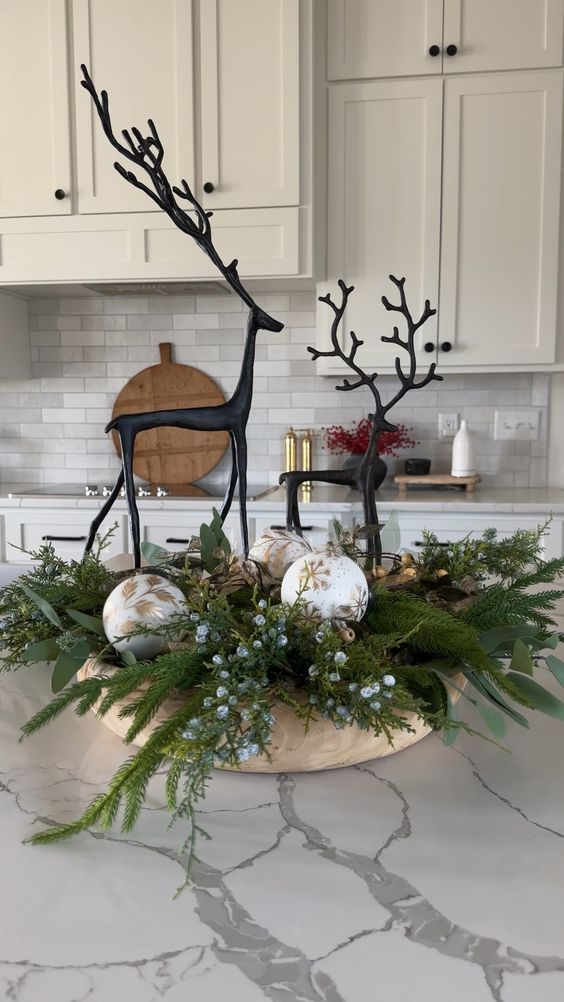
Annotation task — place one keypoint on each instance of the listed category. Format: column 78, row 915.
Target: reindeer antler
column 337, row 351
column 147, row 152
column 408, row 381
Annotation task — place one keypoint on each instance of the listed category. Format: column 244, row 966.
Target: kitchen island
column 435, row 875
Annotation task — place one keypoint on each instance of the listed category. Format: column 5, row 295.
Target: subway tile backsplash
column 85, row 349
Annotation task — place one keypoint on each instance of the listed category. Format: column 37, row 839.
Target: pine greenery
column 467, row 608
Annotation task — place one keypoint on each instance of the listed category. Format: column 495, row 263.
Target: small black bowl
column 417, row 467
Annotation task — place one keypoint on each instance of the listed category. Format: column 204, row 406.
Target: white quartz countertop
column 541, row 499
column 434, row 875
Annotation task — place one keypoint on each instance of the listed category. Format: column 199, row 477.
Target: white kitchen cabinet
column 67, row 532
column 221, row 80
column 250, row 114
column 384, row 197
column 317, row 526
column 379, row 38
column 174, row 531
column 35, row 176
column 463, row 199
column 502, row 34
column 453, row 527
column 500, row 218
column 143, row 57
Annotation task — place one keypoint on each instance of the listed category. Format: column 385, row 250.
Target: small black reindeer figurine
column 231, row 416
column 367, row 470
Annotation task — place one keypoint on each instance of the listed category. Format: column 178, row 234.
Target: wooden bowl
column 292, row 749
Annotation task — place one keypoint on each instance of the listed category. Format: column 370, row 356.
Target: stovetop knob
column 91, row 490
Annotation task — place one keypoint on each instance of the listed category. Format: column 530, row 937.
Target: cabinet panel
column 66, row 531
column 501, row 194
column 250, row 102
column 34, row 110
column 141, row 53
column 379, row 38
column 384, row 199
column 503, row 34
column 173, row 533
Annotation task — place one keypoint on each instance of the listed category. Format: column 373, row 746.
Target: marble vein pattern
column 436, row 874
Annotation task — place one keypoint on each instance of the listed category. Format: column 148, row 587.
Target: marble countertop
column 322, row 497
column 436, row 874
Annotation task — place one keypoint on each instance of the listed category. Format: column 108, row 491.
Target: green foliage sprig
column 463, row 610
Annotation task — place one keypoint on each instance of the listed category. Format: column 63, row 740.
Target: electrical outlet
column 448, row 425
column 517, row 425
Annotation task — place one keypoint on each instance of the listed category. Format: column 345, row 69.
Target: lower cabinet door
column 175, row 534
column 317, row 529
column 67, row 533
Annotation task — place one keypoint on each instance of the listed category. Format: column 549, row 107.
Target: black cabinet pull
column 429, row 346
column 305, row 528
column 209, row 187
column 59, row 194
column 173, row 539
column 451, row 50
column 446, row 346
column 64, row 539
column 419, row 542
column 434, row 50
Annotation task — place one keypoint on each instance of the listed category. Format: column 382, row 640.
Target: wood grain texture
column 292, row 749
column 405, row 480
column 171, row 455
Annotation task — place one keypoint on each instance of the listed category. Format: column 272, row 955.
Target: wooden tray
column 403, row 480
column 171, row 455
column 292, row 749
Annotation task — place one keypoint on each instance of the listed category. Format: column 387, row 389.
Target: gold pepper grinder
column 307, row 449
column 290, row 450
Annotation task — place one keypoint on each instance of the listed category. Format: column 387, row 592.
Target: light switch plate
column 518, row 425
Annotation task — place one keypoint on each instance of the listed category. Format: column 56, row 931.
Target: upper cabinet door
column 384, row 209
column 384, row 38
column 501, row 196
column 35, row 174
column 502, row 34
column 141, row 53
column 249, row 55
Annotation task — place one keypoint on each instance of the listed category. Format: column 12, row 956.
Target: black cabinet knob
column 446, row 346
column 429, row 346
column 451, row 50
column 434, row 50
column 59, row 194
column 209, row 187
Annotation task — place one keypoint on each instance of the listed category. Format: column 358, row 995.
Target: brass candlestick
column 307, row 454
column 291, row 450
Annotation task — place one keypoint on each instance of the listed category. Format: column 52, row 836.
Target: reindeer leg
column 228, row 499
column 99, row 518
column 127, row 447
column 296, row 521
column 241, row 448
column 373, row 544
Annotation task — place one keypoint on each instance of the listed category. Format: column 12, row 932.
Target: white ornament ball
column 276, row 549
column 331, row 585
column 144, row 600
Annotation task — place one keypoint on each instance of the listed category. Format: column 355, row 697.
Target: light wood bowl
column 292, row 749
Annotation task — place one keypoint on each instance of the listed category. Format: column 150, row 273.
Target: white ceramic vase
column 463, row 452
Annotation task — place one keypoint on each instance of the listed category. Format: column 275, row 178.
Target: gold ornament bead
column 410, row 572
column 441, row 573
column 380, row 572
column 407, row 559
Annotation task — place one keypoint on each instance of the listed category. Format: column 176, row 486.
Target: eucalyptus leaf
column 552, row 641
column 44, row 650
column 492, row 719
column 154, row 554
column 540, row 698
column 521, row 659
column 92, row 623
column 557, row 667
column 451, row 733
column 485, row 688
column 128, row 657
column 68, row 663
column 503, row 638
column 47, row 610
column 208, row 544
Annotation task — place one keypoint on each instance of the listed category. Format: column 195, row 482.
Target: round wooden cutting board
column 171, row 455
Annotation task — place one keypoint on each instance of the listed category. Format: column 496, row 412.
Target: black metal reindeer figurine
column 367, row 471
column 231, row 416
